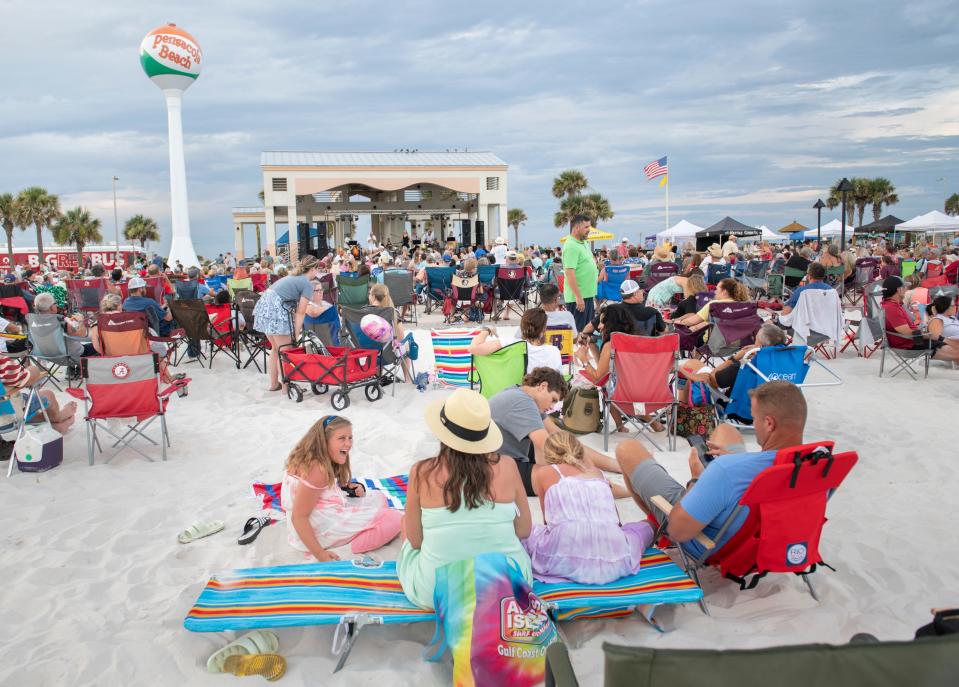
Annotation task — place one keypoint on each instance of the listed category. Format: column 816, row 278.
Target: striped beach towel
column 394, row 488
column 451, row 355
column 322, row 593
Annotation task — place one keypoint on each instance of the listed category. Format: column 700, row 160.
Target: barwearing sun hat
column 662, row 252
column 463, row 422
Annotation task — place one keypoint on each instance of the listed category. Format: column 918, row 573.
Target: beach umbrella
column 793, row 227
column 594, row 235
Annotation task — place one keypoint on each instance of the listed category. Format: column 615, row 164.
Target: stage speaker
column 322, row 246
column 467, row 232
column 480, row 232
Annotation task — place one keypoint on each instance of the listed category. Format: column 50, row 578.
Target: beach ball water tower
column 172, row 59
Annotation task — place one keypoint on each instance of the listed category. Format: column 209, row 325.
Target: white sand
column 95, row 587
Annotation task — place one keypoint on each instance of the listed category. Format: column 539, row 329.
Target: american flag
column 656, row 168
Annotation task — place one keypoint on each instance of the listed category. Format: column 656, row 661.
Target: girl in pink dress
column 583, row 539
column 328, row 508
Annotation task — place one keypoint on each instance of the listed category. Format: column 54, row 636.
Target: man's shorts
column 650, row 479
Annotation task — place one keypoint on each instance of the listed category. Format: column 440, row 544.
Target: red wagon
column 344, row 368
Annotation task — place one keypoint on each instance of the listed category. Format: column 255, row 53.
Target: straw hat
column 463, row 422
column 715, row 250
column 663, row 252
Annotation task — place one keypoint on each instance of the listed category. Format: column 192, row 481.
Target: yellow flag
column 665, row 179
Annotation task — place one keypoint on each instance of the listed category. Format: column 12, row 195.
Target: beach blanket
column 324, row 593
column 394, row 488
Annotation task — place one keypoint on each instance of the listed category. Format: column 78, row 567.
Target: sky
column 760, row 106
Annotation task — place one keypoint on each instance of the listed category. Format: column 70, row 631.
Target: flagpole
column 667, row 201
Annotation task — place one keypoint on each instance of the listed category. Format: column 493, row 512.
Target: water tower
column 172, row 59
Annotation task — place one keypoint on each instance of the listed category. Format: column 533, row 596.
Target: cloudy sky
column 760, row 106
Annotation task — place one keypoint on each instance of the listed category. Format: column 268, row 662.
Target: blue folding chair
column 609, row 290
column 716, row 273
column 439, row 281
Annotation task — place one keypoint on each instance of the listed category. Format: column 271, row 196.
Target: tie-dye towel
column 394, row 488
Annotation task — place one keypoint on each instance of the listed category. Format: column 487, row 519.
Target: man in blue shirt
column 714, row 491
column 138, row 302
column 815, row 274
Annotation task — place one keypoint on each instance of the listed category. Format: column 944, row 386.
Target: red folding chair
column 261, row 280
column 642, row 382
column 86, row 294
column 223, row 324
column 121, row 387
column 786, row 506
column 155, row 289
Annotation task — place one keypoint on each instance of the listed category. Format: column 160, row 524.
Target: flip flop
column 198, row 530
column 252, row 529
column 270, row 666
column 256, row 642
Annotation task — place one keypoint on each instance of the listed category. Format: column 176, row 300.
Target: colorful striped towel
column 322, row 593
column 452, row 359
column 394, row 488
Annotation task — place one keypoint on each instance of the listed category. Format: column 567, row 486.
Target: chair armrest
column 175, row 386
column 78, row 393
column 666, row 507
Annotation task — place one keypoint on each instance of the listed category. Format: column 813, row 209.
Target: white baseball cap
column 624, row 239
column 629, row 286
column 136, row 283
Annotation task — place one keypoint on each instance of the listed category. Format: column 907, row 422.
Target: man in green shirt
column 580, row 271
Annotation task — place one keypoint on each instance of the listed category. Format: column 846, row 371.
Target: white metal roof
column 280, row 158
column 248, row 210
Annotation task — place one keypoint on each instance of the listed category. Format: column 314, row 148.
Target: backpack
column 581, row 411
column 495, row 627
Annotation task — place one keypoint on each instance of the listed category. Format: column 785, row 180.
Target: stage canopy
column 934, row 222
column 880, row 226
column 722, row 230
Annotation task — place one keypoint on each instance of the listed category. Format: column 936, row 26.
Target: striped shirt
column 11, row 372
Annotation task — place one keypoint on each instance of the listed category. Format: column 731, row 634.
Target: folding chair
column 561, row 336
column 775, row 286
column 49, row 345
column 195, row 323
column 402, row 289
column 510, row 287
column 451, row 356
column 500, row 369
column 866, row 272
column 390, row 360
column 487, row 275
column 353, row 292
column 904, row 358
column 464, row 295
column 820, row 306
column 715, row 273
column 225, row 326
column 154, row 289
column 754, row 276
column 234, row 285
column 660, row 271
column 732, row 325
column 255, row 343
column 782, row 514
column 642, row 372
column 791, row 273
column 121, row 387
column 186, row 289
column 260, row 282
column 865, row 335
column 13, row 306
column 438, row 281
column 217, row 282
column 907, row 267
column 609, row 290
column 86, row 294
column 951, row 273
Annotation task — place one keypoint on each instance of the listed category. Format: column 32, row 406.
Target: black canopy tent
column 881, row 226
column 719, row 232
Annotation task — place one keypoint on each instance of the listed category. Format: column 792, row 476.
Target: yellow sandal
column 270, row 666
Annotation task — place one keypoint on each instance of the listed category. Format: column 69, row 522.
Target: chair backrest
column 217, row 282
column 47, row 336
column 561, row 336
column 329, row 287
column 464, row 288
column 235, row 284
column 260, row 281
column 155, row 289
column 734, row 325
column 400, row 285
column 774, row 284
column 186, row 290
column 786, row 363
column 787, row 510
column 793, row 272
column 193, row 318
column 123, row 333
column 948, row 290
column 702, row 298
column 500, row 369
column 834, row 275
column 872, row 300
column 245, row 302
column 511, row 282
column 451, row 355
column 439, row 278
column 353, row 292
column 122, row 386
column 487, row 273
column 716, row 273
column 221, row 318
column 658, row 271
column 908, row 267
column 756, row 268
column 615, row 276
column 86, row 294
column 352, row 319
column 640, row 371
column 933, row 268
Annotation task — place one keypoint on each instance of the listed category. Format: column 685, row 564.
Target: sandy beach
column 96, row 586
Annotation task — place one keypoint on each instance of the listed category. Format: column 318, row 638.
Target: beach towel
column 451, row 355
column 394, row 488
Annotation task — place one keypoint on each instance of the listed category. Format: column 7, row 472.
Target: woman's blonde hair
column 312, row 450
column 306, row 263
column 111, row 303
column 381, row 295
column 562, row 448
column 694, row 284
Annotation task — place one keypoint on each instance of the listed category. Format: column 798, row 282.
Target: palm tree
column 569, row 183
column 861, row 195
column 76, row 227
column 8, row 217
column 514, row 218
column 835, row 198
column 142, row 229
column 952, row 204
column 37, row 207
column 597, row 208
column 883, row 193
column 261, row 195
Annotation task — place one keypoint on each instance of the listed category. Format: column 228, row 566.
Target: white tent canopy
column 772, row 236
column 932, row 222
column 831, row 230
column 681, row 231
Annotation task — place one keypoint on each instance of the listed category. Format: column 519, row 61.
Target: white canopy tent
column 772, row 236
column 830, row 230
column 934, row 222
column 681, row 231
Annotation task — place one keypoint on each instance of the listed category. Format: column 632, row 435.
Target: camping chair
column 127, row 333
column 186, row 290
column 716, row 273
column 951, row 273
column 49, row 345
column 390, row 360
column 500, row 369
column 402, row 290
column 866, row 272
column 255, row 343
column 780, row 533
column 732, row 325
column 904, row 358
column 451, row 356
column 487, row 275
column 225, row 324
column 907, row 267
column 835, row 278
column 126, row 386
column 510, row 291
column 819, row 306
column 865, row 334
column 234, row 285
column 609, row 290
column 561, row 336
column 195, row 323
column 86, row 294
column 775, row 286
column 13, row 306
column 754, row 276
column 659, row 271
column 464, row 300
column 260, row 281
column 438, row 281
column 791, row 273
column 642, row 372
column 154, row 289
column 217, row 282
column 353, row 292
